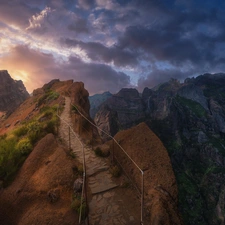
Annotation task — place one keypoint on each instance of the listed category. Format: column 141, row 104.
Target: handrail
column 84, row 162
column 142, row 172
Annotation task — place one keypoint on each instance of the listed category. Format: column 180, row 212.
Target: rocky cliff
column 146, row 149
column 189, row 118
column 12, row 92
column 36, row 171
column 96, row 101
column 120, row 111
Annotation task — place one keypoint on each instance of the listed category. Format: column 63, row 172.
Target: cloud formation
column 37, row 68
column 111, row 44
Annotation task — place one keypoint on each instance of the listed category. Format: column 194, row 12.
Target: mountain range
column 39, row 170
column 189, row 118
column 12, row 93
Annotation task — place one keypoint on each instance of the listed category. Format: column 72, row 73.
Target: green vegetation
column 21, row 131
column 194, row 106
column 115, row 171
column 17, row 145
column 24, row 146
column 10, row 157
column 219, row 144
column 174, row 146
column 49, row 96
column 78, row 170
column 72, row 154
column 189, row 191
column 79, row 206
column 74, row 109
column 98, row 152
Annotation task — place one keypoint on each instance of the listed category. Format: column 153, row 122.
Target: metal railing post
column 69, row 139
column 142, row 198
column 113, row 152
column 113, row 157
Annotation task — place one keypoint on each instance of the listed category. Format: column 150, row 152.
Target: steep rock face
column 189, row 118
column 120, row 111
column 146, row 149
column 79, row 98
column 96, row 101
column 12, row 93
column 194, row 93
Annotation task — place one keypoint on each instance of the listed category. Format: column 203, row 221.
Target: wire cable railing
column 128, row 156
column 84, row 187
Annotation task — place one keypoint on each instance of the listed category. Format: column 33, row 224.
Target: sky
column 111, row 44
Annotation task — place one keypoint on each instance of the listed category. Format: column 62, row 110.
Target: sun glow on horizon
column 24, row 77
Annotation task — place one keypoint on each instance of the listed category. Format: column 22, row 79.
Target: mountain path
column 105, row 206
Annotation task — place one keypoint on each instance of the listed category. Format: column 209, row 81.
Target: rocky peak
column 193, row 93
column 12, row 92
column 96, row 100
column 50, row 84
column 189, row 119
column 146, row 93
column 128, row 93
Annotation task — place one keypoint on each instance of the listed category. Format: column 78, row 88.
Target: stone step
column 101, row 182
column 94, row 171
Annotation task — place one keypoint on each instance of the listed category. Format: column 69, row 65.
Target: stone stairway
column 104, row 207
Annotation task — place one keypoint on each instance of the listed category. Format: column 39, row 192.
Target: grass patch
column 11, row 158
column 72, row 154
column 78, row 170
column 74, row 109
column 24, row 146
column 21, row 131
column 17, row 145
column 98, row 152
column 194, row 106
column 49, row 96
column 115, row 171
column 219, row 144
column 79, row 206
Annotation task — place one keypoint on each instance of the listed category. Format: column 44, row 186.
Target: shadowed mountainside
column 12, row 92
column 47, row 170
column 96, row 101
column 189, row 118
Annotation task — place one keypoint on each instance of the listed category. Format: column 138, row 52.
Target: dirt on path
column 109, row 203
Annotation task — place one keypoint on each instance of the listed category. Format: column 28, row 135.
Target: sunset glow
column 111, row 44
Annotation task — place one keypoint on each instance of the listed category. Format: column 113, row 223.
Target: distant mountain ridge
column 96, row 100
column 12, row 92
column 189, row 118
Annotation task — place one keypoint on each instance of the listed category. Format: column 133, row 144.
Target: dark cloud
column 98, row 52
column 151, row 39
column 186, row 38
column 98, row 77
column 86, row 4
column 79, row 25
column 16, row 13
column 41, row 68
column 158, row 76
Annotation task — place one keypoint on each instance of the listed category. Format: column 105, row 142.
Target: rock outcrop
column 79, row 100
column 12, row 92
column 146, row 149
column 120, row 111
column 41, row 192
column 96, row 101
column 189, row 118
